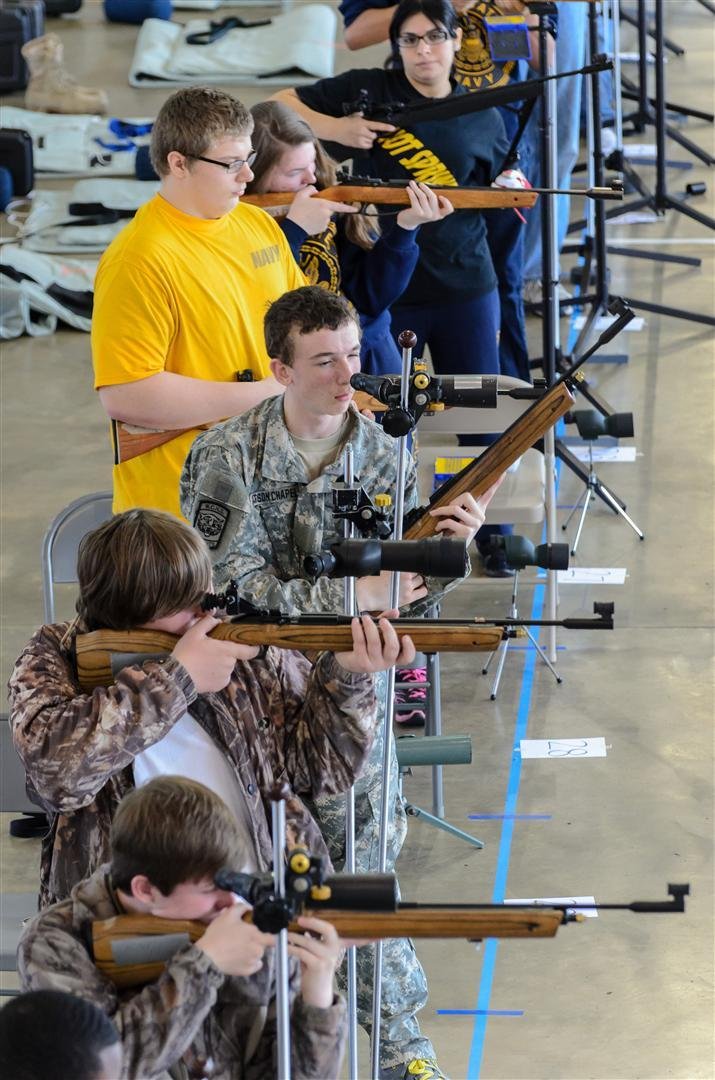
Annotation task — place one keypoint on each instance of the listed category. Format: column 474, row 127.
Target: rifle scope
column 435, row 557
column 347, row 892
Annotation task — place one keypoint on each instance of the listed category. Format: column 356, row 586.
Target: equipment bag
column 62, row 7
column 16, row 156
column 19, row 23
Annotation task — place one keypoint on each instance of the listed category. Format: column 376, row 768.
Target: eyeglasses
column 432, row 37
column 231, row 167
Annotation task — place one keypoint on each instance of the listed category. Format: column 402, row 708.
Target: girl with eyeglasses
column 451, row 301
column 336, row 246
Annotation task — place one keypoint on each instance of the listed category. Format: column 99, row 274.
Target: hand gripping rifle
column 132, row 950
column 332, row 633
column 531, row 426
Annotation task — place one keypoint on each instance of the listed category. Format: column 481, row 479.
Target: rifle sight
column 306, row 885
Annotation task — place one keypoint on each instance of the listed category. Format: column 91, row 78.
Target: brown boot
column 51, row 89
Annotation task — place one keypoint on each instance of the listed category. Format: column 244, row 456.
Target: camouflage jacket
column 245, row 489
column 193, row 1007
column 279, row 719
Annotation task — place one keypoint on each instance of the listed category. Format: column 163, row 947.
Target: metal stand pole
column 407, row 341
column 350, row 609
column 282, row 983
column 551, row 341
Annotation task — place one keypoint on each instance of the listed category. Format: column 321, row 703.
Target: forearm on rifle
column 323, row 126
column 159, row 1024
column 369, row 28
column 166, row 400
column 330, row 728
column 71, row 742
column 318, row 1039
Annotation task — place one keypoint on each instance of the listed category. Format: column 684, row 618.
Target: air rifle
column 133, row 950
column 250, row 626
column 130, row 440
column 403, row 113
column 531, row 426
column 371, row 191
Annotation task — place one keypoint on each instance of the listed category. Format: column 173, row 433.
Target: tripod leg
column 582, row 519
column 418, row 812
column 501, row 653
column 576, row 507
column 485, row 669
column 578, row 469
column 543, row 656
column 676, row 313
column 619, row 509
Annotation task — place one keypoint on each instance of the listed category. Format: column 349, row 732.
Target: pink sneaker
column 411, row 674
column 415, row 695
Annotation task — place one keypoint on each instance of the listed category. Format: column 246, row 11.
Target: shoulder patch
column 210, row 521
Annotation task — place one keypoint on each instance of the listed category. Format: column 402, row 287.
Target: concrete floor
column 623, row 996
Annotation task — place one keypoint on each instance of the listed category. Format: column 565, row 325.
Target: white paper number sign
column 562, row 748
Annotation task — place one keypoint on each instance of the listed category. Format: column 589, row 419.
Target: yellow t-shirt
column 178, row 293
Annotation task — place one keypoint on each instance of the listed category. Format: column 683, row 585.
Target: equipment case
column 19, row 23
column 16, row 155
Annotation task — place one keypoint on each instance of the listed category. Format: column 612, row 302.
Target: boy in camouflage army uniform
column 259, row 489
column 213, row 711
column 215, row 1000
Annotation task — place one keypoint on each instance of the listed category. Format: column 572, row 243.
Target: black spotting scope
column 435, row 557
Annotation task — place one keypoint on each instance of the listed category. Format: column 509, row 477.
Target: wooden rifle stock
column 129, row 440
column 333, row 633
column 518, row 437
column 128, row 948
column 485, row 470
column 462, row 198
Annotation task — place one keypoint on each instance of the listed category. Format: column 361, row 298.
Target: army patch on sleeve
column 210, row 521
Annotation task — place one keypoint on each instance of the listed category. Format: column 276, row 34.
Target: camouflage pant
column 404, row 985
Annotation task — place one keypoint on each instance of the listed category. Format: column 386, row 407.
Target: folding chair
column 61, row 543
column 59, row 566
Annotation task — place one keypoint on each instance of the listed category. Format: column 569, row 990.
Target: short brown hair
column 303, row 310
column 192, row 119
column 173, row 830
column 139, row 566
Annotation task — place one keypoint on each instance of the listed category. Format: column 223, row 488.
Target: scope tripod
column 595, row 487
column 504, row 647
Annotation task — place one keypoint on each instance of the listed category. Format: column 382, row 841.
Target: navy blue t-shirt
column 454, row 261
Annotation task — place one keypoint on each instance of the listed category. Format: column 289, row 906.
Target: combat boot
column 51, row 89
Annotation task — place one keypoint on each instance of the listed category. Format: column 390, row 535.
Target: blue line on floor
column 511, row 817
column 478, row 1012
column 526, row 648
column 512, row 794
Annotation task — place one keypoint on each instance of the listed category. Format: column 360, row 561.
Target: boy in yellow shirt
column 180, row 294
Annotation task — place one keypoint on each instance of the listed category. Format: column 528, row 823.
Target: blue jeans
column 463, row 340
column 570, row 54
column 463, row 336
